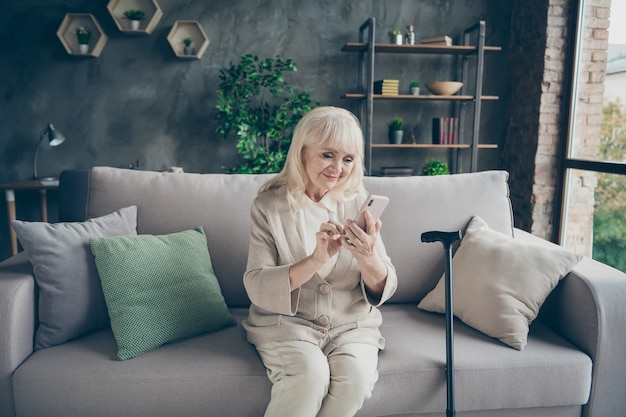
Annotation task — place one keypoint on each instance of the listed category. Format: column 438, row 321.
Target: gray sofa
column 573, row 365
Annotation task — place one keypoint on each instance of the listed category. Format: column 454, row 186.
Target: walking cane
column 447, row 239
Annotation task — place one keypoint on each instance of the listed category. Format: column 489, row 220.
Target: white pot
column 415, row 91
column 83, row 48
column 134, row 24
column 396, row 39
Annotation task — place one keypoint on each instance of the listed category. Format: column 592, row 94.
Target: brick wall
column 529, row 194
column 541, row 38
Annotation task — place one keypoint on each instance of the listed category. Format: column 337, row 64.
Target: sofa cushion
column 223, row 372
column 159, row 289
column 444, row 202
column 71, row 302
column 173, row 202
column 499, row 283
column 168, row 203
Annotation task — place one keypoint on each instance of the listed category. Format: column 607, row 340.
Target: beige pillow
column 499, row 283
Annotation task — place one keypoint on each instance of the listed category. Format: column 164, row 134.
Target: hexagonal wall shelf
column 67, row 34
column 152, row 15
column 183, row 29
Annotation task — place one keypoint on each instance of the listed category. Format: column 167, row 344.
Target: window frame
column 567, row 162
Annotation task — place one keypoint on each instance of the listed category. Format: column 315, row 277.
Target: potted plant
column 259, row 108
column 188, row 49
column 396, row 36
column 83, row 34
column 135, row 16
column 395, row 130
column 434, row 167
column 415, row 88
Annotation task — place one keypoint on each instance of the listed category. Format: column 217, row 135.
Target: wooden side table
column 36, row 185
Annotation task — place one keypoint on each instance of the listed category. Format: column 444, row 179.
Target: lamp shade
column 55, row 138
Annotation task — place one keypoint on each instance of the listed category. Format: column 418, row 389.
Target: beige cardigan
column 328, row 312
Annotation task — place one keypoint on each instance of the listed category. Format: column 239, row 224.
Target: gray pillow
column 71, row 302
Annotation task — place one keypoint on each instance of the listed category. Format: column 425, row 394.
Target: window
column 593, row 220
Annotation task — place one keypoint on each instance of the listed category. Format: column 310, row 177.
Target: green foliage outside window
column 609, row 222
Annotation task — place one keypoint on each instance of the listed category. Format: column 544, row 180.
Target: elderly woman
column 314, row 277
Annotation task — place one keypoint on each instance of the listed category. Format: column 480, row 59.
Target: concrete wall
column 137, row 101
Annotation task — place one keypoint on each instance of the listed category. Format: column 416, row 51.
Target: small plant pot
column 396, row 39
column 415, row 91
column 395, row 137
column 134, row 24
column 189, row 50
column 83, row 48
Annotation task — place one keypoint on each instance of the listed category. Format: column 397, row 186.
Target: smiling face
column 325, row 155
column 325, row 167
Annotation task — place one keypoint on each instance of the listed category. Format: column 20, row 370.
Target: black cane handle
column 447, row 238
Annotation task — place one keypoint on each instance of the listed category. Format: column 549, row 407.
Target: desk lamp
column 55, row 138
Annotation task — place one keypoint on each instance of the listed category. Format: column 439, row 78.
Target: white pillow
column 499, row 283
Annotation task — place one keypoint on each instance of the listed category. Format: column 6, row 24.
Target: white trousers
column 307, row 383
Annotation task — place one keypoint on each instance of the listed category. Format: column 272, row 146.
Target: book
column 396, row 171
column 438, row 130
column 387, row 87
column 445, row 130
column 437, row 40
column 454, row 130
column 386, row 91
column 387, row 82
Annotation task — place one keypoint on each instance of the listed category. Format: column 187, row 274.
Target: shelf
column 67, row 34
column 470, row 67
column 360, row 96
column 153, row 14
column 188, row 29
column 434, row 146
column 417, row 49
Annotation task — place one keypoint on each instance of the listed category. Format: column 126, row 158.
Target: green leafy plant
column 434, row 167
column 395, row 32
column 187, row 42
column 415, row 84
column 133, row 14
column 609, row 224
column 257, row 106
column 396, row 123
column 83, row 34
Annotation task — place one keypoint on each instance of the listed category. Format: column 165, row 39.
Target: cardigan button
column 324, row 288
column 323, row 320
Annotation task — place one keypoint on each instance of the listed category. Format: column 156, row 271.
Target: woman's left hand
column 361, row 243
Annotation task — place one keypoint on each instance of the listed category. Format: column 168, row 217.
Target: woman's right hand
column 328, row 241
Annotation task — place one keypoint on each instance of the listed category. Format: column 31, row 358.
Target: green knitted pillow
column 159, row 289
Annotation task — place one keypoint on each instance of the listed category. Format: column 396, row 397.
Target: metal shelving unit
column 367, row 49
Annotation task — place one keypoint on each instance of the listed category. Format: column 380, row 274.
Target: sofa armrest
column 588, row 308
column 17, row 322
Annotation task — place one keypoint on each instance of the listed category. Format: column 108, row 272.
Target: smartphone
column 375, row 204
